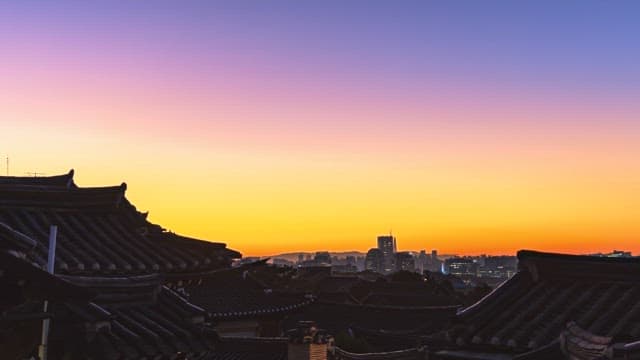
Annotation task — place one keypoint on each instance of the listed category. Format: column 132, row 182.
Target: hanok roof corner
column 530, row 310
column 100, row 231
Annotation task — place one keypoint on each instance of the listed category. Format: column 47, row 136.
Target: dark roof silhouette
column 249, row 348
column 134, row 318
column 24, row 286
column 406, row 354
column 238, row 293
column 65, row 180
column 107, row 248
column 99, row 231
column 389, row 327
column 530, row 310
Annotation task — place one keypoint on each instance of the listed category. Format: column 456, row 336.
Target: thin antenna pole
column 53, row 235
column 7, row 165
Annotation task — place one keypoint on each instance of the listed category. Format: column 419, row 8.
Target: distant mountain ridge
column 293, row 256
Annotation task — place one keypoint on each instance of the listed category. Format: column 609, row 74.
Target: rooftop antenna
column 35, row 173
column 7, row 165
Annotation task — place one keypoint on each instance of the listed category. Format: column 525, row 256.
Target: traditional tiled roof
column 578, row 343
column 238, row 294
column 107, row 248
column 14, row 241
column 134, row 318
column 387, row 327
column 356, row 289
column 65, row 180
column 18, row 276
column 408, row 354
column 244, row 348
column 21, row 280
column 99, row 231
column 473, row 355
column 400, row 293
column 23, row 288
column 624, row 351
column 334, row 316
column 531, row 309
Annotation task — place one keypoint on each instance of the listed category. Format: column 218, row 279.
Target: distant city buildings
column 428, row 262
column 463, row 272
column 497, row 267
column 322, row 258
column 461, row 266
column 374, row 261
column 405, row 261
column 491, row 270
column 348, row 264
column 468, row 271
column 282, row 262
column 615, row 254
column 387, row 245
column 421, row 260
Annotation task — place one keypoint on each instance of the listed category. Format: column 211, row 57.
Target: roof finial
column 70, row 178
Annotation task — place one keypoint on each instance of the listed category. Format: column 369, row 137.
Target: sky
column 464, row 126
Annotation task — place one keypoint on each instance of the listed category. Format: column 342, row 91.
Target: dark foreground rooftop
column 532, row 309
column 100, row 231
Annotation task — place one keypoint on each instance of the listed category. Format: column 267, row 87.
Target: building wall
column 387, row 244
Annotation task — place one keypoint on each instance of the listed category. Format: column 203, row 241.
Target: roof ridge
column 62, row 180
column 378, row 355
column 393, row 307
column 534, row 254
column 21, row 240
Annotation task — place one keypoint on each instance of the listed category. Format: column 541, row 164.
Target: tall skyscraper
column 422, row 262
column 374, row 261
column 387, row 245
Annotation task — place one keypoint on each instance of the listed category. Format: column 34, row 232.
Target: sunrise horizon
column 288, row 127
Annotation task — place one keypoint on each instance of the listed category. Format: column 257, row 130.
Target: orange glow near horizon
column 467, row 129
column 469, row 200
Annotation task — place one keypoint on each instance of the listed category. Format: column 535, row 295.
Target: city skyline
column 416, row 251
column 472, row 127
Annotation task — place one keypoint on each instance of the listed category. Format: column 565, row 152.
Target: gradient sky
column 464, row 126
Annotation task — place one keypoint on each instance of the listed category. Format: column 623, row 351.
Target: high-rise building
column 387, row 245
column 374, row 261
column 421, row 263
column 405, row 261
column 433, row 263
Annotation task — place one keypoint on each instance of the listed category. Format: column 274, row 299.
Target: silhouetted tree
column 477, row 293
column 406, row 276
